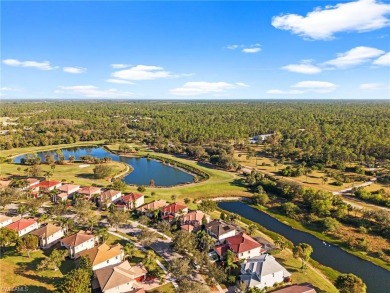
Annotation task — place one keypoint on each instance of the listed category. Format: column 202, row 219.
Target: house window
column 108, row 261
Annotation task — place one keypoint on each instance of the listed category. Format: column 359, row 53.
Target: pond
column 144, row 169
column 376, row 278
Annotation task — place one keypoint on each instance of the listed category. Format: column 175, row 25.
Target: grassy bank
column 315, row 275
column 297, row 225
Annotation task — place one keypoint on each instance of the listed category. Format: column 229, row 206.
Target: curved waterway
column 376, row 278
column 144, row 169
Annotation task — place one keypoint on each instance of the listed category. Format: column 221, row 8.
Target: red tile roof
column 188, row 228
column 90, row 190
column 47, row 184
column 32, row 181
column 68, row 187
column 193, row 216
column 21, row 224
column 241, row 243
column 154, row 205
column 173, row 208
column 130, row 197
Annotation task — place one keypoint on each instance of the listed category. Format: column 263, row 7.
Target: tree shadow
column 238, row 182
column 86, row 176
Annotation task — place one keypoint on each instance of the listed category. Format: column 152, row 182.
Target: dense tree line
column 327, row 132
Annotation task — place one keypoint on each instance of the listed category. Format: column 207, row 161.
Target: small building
column 242, row 245
column 31, row 183
column 106, row 198
column 47, row 185
column 130, row 201
column 173, row 211
column 301, row 288
column 103, row 256
column 23, row 226
column 69, row 188
column 149, row 208
column 192, row 221
column 79, row 242
column 90, row 191
column 48, row 235
column 220, row 230
column 61, row 197
column 263, row 271
column 119, row 278
column 260, row 138
column 4, row 220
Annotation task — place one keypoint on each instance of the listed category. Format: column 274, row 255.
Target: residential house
column 220, row 230
column 69, row 188
column 149, row 208
column 5, row 221
column 242, row 245
column 130, row 201
column 301, row 288
column 31, row 183
column 192, row 221
column 173, row 210
column 90, row 191
column 103, row 256
column 47, row 185
column 106, row 198
column 5, row 183
column 263, row 271
column 119, row 278
column 23, row 226
column 79, row 242
column 61, row 197
column 48, row 235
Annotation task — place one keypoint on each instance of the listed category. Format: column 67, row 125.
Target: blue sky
column 195, row 50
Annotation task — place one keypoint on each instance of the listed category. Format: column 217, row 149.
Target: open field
column 70, row 172
column 18, row 271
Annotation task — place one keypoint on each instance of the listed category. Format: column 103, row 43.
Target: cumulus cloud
column 119, row 81
column 74, row 70
column 142, row 72
column 10, row 89
column 303, row 67
column 324, row 23
column 355, row 56
column 91, row 91
column 120, row 65
column 45, row 65
column 233, row 47
column 308, row 86
column 383, row 60
column 195, row 88
column 371, row 86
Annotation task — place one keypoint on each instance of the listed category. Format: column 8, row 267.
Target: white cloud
column 308, row 86
column 9, row 89
column 45, row 65
column 355, row 56
column 93, row 92
column 371, row 86
column 233, row 47
column 383, row 60
column 74, row 70
column 323, row 23
column 120, row 66
column 195, row 88
column 119, row 81
column 254, row 48
column 251, row 50
column 304, row 67
column 142, row 72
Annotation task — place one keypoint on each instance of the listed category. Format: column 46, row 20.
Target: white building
column 263, row 271
column 23, row 226
column 48, row 235
column 79, row 242
column 5, row 221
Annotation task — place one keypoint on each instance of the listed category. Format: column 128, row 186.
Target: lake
column 376, row 278
column 143, row 169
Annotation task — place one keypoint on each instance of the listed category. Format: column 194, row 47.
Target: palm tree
column 149, row 257
column 92, row 221
column 102, row 233
column 129, row 250
column 251, row 229
column 230, row 261
column 22, row 210
column 48, row 174
column 281, row 243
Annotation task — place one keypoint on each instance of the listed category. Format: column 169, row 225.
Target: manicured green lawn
column 74, row 172
column 167, row 288
column 20, row 271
